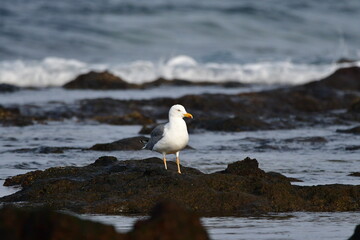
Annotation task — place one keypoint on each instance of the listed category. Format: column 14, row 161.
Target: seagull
column 171, row 137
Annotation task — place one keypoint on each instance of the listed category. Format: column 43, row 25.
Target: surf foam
column 53, row 71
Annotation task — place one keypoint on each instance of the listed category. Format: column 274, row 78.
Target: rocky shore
column 332, row 100
column 109, row 186
column 19, row 224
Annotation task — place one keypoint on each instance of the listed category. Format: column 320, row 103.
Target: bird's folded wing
column 155, row 136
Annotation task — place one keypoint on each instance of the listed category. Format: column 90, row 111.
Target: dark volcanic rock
column 98, row 81
column 356, row 235
column 12, row 117
column 44, row 150
column 346, row 60
column 5, row 88
column 133, row 118
column 354, row 130
column 287, row 107
column 355, row 107
column 19, row 224
column 134, row 186
column 45, row 224
column 247, row 167
column 311, row 140
column 343, row 79
column 354, row 174
column 233, row 124
column 169, row 221
column 133, row 143
column 179, row 82
column 353, row 148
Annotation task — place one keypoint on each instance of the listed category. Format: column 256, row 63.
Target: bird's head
column 179, row 111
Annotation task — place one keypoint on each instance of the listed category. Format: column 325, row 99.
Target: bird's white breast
column 175, row 137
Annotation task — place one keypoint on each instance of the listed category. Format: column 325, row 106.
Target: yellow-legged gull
column 172, row 137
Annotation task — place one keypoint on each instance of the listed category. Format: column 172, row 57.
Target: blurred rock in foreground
column 168, row 221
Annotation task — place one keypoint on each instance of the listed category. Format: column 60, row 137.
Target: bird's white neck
column 176, row 121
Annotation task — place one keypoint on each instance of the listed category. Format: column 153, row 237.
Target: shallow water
column 45, row 95
column 286, row 226
column 315, row 155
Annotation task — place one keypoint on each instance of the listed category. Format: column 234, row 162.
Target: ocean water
column 46, row 43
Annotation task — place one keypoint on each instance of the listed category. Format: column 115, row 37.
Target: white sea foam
column 57, row 71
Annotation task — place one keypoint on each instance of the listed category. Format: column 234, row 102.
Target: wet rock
column 179, row 82
column 113, row 187
column 42, row 223
column 285, row 107
column 133, row 143
column 133, row 118
column 354, row 130
column 7, row 88
column 19, row 224
column 356, row 235
column 247, row 167
column 98, row 81
column 91, row 108
column 342, row 79
column 353, row 148
column 355, row 107
column 282, row 177
column 12, row 117
column 234, row 124
column 354, row 174
column 346, row 60
column 311, row 140
column 44, row 150
column 169, row 221
column 165, row 82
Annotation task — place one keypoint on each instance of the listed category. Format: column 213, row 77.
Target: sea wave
column 53, row 71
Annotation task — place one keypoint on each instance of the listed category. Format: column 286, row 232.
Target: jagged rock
column 343, row 79
column 133, row 118
column 234, row 124
column 169, row 221
column 179, row 82
column 247, row 167
column 45, row 224
column 7, row 88
column 12, row 117
column 99, row 81
column 109, row 186
column 133, row 143
column 19, row 224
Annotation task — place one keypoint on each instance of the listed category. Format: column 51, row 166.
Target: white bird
column 172, row 137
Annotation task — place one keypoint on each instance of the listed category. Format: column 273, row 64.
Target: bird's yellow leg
column 178, row 162
column 164, row 158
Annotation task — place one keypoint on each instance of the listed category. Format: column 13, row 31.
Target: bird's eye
column 178, row 110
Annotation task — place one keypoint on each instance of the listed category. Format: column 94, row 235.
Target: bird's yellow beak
column 188, row 115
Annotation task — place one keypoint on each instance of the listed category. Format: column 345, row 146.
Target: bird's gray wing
column 155, row 136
